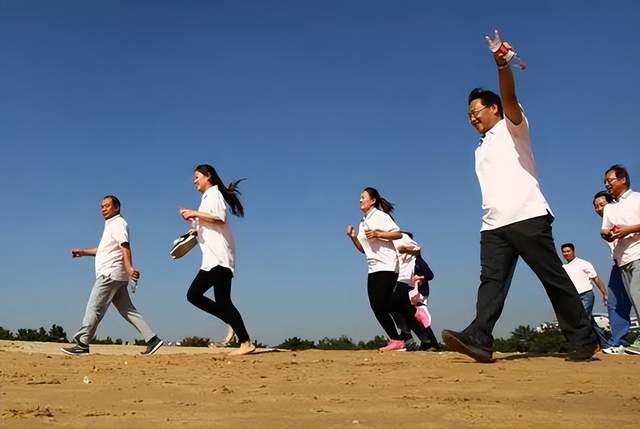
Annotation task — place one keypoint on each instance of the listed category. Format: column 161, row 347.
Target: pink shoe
column 423, row 316
column 393, row 345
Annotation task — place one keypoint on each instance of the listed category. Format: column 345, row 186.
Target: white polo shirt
column 109, row 260
column 624, row 212
column 581, row 272
column 407, row 262
column 215, row 238
column 381, row 254
column 507, row 174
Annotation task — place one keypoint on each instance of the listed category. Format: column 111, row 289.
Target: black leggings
column 222, row 308
column 380, row 287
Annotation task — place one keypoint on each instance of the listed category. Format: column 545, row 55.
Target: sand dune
column 199, row 387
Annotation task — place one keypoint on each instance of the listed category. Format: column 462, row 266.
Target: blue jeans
column 619, row 308
column 588, row 299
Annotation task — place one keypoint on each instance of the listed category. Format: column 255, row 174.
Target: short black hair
column 621, row 173
column 114, row 200
column 569, row 245
column 487, row 98
column 607, row 196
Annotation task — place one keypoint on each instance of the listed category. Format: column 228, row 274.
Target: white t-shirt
column 624, row 212
column 507, row 174
column 109, row 260
column 581, row 272
column 381, row 254
column 215, row 238
column 407, row 262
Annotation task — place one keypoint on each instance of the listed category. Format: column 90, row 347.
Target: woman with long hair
column 216, row 243
column 375, row 236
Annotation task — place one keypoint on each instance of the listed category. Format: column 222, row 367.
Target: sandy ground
column 198, row 387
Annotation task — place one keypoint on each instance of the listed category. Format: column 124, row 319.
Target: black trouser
column 380, row 287
column 404, row 315
column 222, row 308
column 532, row 240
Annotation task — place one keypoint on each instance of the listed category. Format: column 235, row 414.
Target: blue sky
column 311, row 101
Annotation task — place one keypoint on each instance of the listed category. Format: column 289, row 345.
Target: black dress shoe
column 462, row 343
column 582, row 353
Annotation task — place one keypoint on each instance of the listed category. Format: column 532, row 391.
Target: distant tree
column 295, row 343
column 138, row 342
column 6, row 335
column 377, row 342
column 32, row 335
column 107, row 340
column 57, row 334
column 195, row 342
column 342, row 343
column 549, row 341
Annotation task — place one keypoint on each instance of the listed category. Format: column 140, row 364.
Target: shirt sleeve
column 385, row 223
column 606, row 222
column 215, row 205
column 590, row 271
column 120, row 231
column 520, row 130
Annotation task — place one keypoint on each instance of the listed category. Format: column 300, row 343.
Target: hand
column 193, row 231
column 418, row 280
column 187, row 214
column 620, row 231
column 403, row 249
column 351, row 232
column 605, row 298
column 372, row 233
column 495, row 43
column 76, row 253
column 134, row 274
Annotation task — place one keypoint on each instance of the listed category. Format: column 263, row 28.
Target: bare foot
column 245, row 348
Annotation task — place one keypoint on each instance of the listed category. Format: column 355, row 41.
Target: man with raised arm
column 516, row 223
column 114, row 268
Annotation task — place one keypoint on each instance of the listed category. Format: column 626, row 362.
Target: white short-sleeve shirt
column 215, row 238
column 407, row 262
column 626, row 211
column 109, row 260
column 381, row 254
column 581, row 272
column 507, row 174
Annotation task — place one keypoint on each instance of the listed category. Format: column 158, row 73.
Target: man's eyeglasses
column 611, row 180
column 474, row 113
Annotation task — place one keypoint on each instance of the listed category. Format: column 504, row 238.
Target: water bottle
column 134, row 286
column 512, row 58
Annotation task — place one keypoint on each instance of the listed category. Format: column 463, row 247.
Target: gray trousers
column 104, row 292
column 631, row 279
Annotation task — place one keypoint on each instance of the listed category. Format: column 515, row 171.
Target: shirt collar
column 491, row 132
column 625, row 195
column 368, row 215
column 209, row 191
column 108, row 221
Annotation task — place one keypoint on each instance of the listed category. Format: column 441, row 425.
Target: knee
column 192, row 297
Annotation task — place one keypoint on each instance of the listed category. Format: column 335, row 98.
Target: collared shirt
column 507, row 174
column 581, row 272
column 626, row 211
column 381, row 254
column 109, row 260
column 406, row 261
column 215, row 238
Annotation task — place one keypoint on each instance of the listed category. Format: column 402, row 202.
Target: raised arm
column 76, row 253
column 510, row 105
column 351, row 232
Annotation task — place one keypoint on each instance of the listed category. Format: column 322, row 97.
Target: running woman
column 218, row 253
column 375, row 237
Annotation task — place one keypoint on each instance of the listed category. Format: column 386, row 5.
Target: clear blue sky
column 311, row 101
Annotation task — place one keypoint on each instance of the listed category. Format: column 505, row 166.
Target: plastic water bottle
column 134, row 286
column 512, row 58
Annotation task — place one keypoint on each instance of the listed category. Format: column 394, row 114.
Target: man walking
column 114, row 268
column 618, row 303
column 516, row 223
column 582, row 275
column 621, row 225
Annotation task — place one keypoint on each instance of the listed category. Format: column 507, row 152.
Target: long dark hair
column 229, row 193
column 381, row 203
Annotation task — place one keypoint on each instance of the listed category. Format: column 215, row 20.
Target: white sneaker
column 614, row 350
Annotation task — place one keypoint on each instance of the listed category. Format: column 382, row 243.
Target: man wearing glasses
column 516, row 223
column 621, row 222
